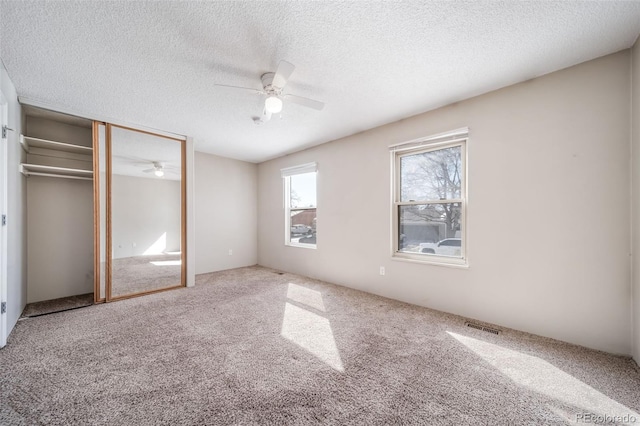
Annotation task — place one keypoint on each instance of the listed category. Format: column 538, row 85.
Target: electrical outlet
column 230, row 252
column 133, row 244
column 382, row 270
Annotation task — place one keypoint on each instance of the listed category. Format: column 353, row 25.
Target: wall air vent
column 483, row 328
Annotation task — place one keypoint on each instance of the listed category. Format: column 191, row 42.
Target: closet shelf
column 29, row 142
column 50, row 171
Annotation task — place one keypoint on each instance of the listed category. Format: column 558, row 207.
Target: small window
column 430, row 199
column 300, row 205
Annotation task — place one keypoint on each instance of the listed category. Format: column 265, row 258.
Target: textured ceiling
column 154, row 64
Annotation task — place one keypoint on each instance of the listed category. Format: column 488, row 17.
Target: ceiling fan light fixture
column 273, row 104
column 159, row 173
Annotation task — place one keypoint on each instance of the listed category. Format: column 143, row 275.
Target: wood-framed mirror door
column 140, row 209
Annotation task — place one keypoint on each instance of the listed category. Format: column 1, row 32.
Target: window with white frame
column 429, row 208
column 300, row 205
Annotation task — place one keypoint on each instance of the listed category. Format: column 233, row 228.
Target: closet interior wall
column 59, row 215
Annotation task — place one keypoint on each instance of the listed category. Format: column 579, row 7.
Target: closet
column 59, row 187
column 106, row 211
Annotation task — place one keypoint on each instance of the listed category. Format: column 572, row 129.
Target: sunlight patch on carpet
column 311, row 332
column 540, row 376
column 166, row 263
column 306, row 296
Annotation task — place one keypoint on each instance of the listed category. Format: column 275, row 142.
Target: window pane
column 303, row 190
column 433, row 175
column 303, row 226
column 430, row 229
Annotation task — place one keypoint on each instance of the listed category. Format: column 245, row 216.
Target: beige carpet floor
column 250, row 346
column 144, row 273
column 57, row 305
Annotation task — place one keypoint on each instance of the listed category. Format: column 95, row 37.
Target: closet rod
column 58, row 176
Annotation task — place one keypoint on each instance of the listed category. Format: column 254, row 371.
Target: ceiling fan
column 272, row 85
column 159, row 169
column 133, row 165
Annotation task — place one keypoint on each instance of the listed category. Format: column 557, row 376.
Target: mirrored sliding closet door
column 145, row 226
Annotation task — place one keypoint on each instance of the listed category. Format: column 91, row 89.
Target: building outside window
column 300, row 205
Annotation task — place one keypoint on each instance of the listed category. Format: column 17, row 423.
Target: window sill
column 307, row 246
column 432, row 260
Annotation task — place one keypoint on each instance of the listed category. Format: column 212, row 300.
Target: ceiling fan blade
column 149, row 170
column 310, row 103
column 284, row 71
column 246, row 89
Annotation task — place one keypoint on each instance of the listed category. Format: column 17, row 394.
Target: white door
column 3, row 211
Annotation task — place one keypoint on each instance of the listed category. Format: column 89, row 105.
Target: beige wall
column 635, row 225
column 60, row 132
column 59, row 238
column 59, row 218
column 225, row 213
column 548, row 209
column 143, row 210
column 16, row 209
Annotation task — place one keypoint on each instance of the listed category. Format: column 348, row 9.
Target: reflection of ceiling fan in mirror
column 157, row 169
column 160, row 168
column 272, row 85
column 142, row 167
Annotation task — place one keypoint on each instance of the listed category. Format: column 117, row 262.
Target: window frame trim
column 417, row 147
column 299, row 169
column 286, row 178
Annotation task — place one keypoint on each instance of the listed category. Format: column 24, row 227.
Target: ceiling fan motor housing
column 267, row 84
